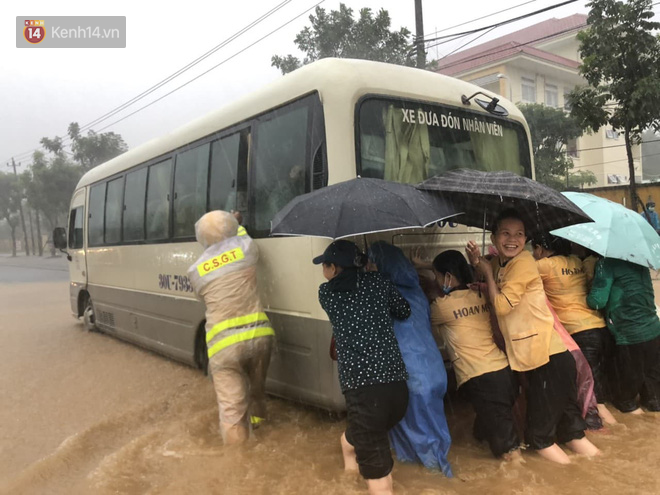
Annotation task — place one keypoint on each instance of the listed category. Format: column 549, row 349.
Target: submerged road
column 85, row 413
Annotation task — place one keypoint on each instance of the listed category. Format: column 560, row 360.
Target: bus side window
column 158, row 200
column 96, row 215
column 113, row 207
column 76, row 219
column 190, row 178
column 228, row 175
column 134, row 200
column 281, row 164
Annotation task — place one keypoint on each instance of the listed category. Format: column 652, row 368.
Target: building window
column 567, row 105
column 611, row 134
column 551, row 95
column 572, row 149
column 528, row 90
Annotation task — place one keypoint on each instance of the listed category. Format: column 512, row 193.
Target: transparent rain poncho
column 225, row 277
column 423, row 434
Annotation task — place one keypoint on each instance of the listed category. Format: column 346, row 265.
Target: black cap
column 342, row 253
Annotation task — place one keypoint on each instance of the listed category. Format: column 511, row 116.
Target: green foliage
column 337, row 34
column 94, row 149
column 10, row 197
column 50, row 185
column 621, row 62
column 551, row 129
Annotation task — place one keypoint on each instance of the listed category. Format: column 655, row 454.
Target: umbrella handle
column 483, row 236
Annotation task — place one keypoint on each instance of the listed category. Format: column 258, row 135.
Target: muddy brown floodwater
column 84, row 413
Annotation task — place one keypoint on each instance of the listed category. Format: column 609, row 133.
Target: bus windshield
column 407, row 141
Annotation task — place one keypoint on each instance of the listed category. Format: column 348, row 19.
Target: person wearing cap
column 239, row 336
column 651, row 215
column 372, row 374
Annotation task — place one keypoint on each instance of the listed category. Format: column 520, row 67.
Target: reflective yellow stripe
column 240, row 337
column 219, row 261
column 241, row 230
column 255, row 420
column 239, row 321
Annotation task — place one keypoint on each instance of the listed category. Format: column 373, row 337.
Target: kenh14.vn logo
column 34, row 31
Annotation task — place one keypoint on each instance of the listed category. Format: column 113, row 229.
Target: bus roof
column 333, row 78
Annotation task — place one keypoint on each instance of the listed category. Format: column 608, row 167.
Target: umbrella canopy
column 616, row 231
column 360, row 206
column 483, row 195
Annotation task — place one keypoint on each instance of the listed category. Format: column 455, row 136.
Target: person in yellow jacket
column 462, row 316
column 533, row 347
column 239, row 336
column 565, row 283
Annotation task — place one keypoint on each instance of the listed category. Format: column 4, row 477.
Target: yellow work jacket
column 463, row 319
column 523, row 315
column 225, row 276
column 565, row 283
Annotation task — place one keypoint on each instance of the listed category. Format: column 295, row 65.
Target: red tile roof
column 521, row 41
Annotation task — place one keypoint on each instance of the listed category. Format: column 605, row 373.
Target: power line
column 67, row 139
column 214, row 67
column 482, row 55
column 186, row 67
column 482, row 18
column 503, row 23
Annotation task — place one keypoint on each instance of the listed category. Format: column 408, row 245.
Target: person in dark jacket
column 372, row 374
column 625, row 292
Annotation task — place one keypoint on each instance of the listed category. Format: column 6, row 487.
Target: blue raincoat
column 422, row 435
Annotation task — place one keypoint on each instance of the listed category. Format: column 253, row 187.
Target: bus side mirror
column 59, row 237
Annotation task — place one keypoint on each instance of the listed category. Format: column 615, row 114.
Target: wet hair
column 552, row 243
column 508, row 214
column 454, row 262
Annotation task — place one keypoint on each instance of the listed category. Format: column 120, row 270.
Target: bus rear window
column 408, row 142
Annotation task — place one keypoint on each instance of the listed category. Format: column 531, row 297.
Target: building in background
column 539, row 64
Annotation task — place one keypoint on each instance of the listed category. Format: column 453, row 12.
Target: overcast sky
column 43, row 90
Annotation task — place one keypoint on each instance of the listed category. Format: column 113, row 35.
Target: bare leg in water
column 350, row 461
column 380, row 486
column 554, row 453
column 583, row 446
column 606, row 415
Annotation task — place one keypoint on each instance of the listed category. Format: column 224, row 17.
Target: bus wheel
column 201, row 352
column 89, row 320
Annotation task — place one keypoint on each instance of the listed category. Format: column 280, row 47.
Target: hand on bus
column 418, row 259
column 473, row 253
column 237, row 216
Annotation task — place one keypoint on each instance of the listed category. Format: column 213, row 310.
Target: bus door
column 76, row 248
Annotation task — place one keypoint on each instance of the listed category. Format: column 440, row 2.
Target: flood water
column 84, row 413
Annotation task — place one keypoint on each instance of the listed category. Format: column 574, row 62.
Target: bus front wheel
column 89, row 319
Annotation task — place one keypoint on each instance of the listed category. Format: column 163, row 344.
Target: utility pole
column 419, row 35
column 20, row 209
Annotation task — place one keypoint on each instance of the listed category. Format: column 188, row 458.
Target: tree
column 337, row 34
column 94, row 149
column 53, row 182
column 621, row 63
column 10, row 199
column 551, row 129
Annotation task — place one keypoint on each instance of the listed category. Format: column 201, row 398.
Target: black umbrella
column 482, row 195
column 360, row 206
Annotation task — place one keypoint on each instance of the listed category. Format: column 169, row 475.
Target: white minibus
column 131, row 222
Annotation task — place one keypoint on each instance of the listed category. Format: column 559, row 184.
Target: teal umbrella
column 616, row 231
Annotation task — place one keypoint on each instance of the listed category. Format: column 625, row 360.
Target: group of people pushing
column 607, row 308
column 391, row 371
